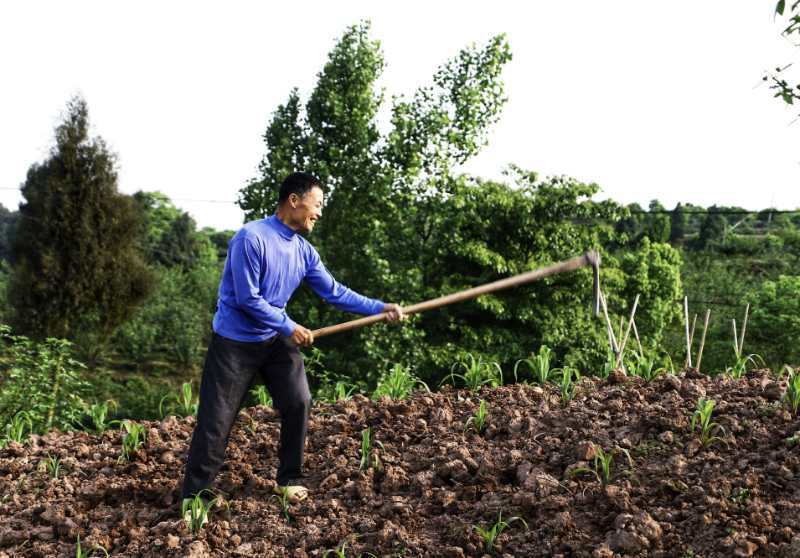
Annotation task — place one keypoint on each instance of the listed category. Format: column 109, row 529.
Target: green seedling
column 602, row 465
column 739, row 368
column 53, row 463
column 184, row 402
column 341, row 552
column 645, row 367
column 477, row 373
column 539, row 365
column 99, row 413
column 398, row 383
column 369, row 458
column 195, row 510
column 702, row 417
column 792, row 395
column 609, row 365
column 262, row 395
column 489, row 536
column 15, row 430
column 79, row 553
column 740, row 496
column 793, row 440
column 478, row 420
column 135, row 436
column 567, row 384
column 285, row 503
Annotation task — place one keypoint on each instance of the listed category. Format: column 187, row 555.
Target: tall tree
column 678, row 222
column 77, row 265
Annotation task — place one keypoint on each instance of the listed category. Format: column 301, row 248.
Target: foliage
column 398, row 383
column 775, row 319
column 539, row 365
column 478, row 420
column 490, row 535
column 133, row 438
column 184, row 403
column 702, row 418
column 77, row 264
column 778, row 81
column 477, row 373
column 43, row 379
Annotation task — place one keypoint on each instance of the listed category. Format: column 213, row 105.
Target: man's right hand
column 302, row 336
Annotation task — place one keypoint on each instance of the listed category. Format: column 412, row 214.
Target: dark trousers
column 229, row 371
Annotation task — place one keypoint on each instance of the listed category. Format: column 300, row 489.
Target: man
column 252, row 334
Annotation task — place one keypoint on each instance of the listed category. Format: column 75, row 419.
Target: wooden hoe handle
column 591, row 258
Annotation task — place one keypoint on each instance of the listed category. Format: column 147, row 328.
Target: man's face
column 306, row 210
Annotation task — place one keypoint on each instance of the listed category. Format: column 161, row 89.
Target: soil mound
column 432, row 479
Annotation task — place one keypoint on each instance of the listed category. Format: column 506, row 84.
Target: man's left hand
column 395, row 311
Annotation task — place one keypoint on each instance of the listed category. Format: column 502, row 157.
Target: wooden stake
column 691, row 335
column 636, row 334
column 703, row 339
column 735, row 339
column 627, row 331
column 686, row 321
column 611, row 339
column 744, row 327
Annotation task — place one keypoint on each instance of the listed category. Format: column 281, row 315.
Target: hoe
column 591, row 258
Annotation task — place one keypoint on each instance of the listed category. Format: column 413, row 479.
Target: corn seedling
column 184, row 403
column 702, row 417
column 284, row 503
column 489, row 536
column 135, row 436
column 566, row 383
column 601, row 468
column 369, row 458
column 539, row 365
column 53, row 466
column 15, row 430
column 195, row 510
column 793, row 440
column 645, row 367
column 739, row 368
column 478, row 421
column 341, row 552
column 99, row 413
column 398, row 383
column 262, row 395
column 79, row 553
column 792, row 396
column 477, row 373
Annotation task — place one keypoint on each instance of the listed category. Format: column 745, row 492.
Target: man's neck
column 284, row 218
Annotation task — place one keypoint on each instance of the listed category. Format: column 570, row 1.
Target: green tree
column 778, row 81
column 776, row 321
column 78, row 271
column 678, row 224
column 712, row 228
column 658, row 223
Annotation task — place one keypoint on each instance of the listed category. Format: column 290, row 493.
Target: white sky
column 648, row 99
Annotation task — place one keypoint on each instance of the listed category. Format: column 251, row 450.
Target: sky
column 647, row 99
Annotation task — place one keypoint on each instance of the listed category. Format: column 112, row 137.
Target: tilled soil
column 668, row 496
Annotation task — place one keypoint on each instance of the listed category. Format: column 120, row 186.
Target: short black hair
column 299, row 183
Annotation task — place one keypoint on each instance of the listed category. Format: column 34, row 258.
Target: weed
column 489, row 536
column 705, row 407
column 477, row 373
column 539, row 365
column 477, row 421
column 184, row 403
column 135, row 436
column 398, row 383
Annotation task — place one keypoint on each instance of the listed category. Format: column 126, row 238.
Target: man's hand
column 395, row 311
column 302, row 336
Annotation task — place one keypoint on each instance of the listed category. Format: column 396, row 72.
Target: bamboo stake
column 686, row 321
column 611, row 338
column 703, row 339
column 627, row 332
column 735, row 339
column 636, row 334
column 744, row 327
column 691, row 335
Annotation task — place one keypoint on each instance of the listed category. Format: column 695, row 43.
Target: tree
column 678, row 224
column 78, row 270
column 658, row 223
column 778, row 82
column 712, row 228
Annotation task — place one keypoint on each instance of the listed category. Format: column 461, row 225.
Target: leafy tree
column 658, row 223
column 711, row 229
column 775, row 325
column 678, row 224
column 77, row 266
column 8, row 225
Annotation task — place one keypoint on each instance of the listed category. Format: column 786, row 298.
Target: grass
column 478, row 420
column 489, row 536
column 702, row 418
column 477, row 373
column 398, row 383
column 134, row 438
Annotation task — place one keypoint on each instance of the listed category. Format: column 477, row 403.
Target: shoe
column 295, row 493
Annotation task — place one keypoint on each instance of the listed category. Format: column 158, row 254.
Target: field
column 616, row 471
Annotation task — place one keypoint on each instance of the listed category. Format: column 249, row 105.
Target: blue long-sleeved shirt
column 266, row 263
